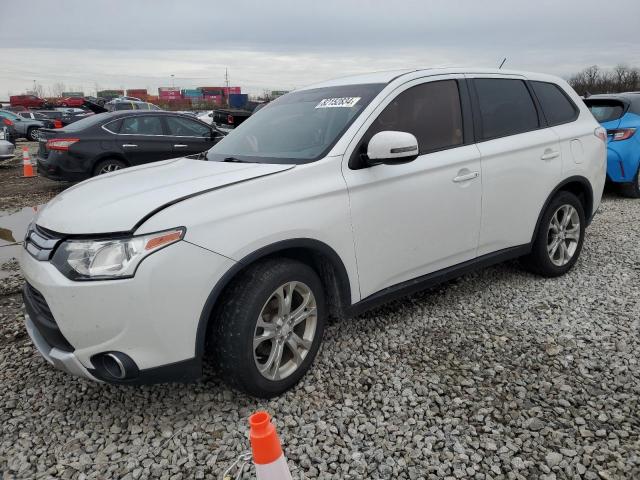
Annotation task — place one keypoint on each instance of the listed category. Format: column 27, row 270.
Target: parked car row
column 27, row 128
column 111, row 141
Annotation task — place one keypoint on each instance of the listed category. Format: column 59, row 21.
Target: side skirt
column 432, row 279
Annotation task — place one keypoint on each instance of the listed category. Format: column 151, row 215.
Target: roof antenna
column 504, row 60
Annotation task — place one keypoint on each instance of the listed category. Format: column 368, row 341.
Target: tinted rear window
column 605, row 110
column 555, row 104
column 506, row 107
column 87, row 122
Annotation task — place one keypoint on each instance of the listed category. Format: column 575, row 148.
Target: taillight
column 7, row 122
column 61, row 144
column 601, row 133
column 57, row 124
column 621, row 134
column 230, row 119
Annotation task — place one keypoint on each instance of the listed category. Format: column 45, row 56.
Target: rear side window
column 141, row 125
column 430, row 111
column 183, row 127
column 605, row 110
column 124, row 106
column 113, row 127
column 555, row 104
column 506, row 107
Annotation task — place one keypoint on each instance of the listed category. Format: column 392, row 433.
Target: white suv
column 330, row 200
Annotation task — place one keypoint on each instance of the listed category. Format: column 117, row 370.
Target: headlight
column 110, row 258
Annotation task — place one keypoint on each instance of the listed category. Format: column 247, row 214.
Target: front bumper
column 65, row 361
column 152, row 318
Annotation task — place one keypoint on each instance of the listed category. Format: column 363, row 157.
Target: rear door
column 520, row 158
column 142, row 139
column 189, row 136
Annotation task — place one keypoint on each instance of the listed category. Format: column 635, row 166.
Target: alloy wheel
column 563, row 235
column 285, row 330
column 111, row 167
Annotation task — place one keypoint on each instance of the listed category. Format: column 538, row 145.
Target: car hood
column 120, row 201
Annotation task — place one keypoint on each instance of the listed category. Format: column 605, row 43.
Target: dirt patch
column 17, row 192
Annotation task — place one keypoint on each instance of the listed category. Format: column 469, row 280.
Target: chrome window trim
column 144, row 134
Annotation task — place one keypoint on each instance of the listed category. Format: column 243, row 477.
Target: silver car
column 25, row 127
column 7, row 149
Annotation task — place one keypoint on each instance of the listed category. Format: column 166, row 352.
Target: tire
column 632, row 189
column 107, row 166
column 252, row 297
column 546, row 260
column 32, row 134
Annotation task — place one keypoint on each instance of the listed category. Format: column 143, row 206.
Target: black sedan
column 107, row 142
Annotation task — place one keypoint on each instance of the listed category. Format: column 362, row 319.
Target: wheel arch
column 318, row 255
column 580, row 187
column 107, row 156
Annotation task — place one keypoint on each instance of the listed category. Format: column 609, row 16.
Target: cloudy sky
column 281, row 44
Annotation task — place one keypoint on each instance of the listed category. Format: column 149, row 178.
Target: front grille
column 40, row 243
column 42, row 318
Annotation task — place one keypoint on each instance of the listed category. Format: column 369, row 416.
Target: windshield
column 9, row 115
column 299, row 127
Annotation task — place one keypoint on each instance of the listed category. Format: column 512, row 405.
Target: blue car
column 620, row 115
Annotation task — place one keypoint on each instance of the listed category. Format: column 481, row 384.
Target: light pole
column 173, row 84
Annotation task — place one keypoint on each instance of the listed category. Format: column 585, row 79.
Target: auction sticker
column 339, row 102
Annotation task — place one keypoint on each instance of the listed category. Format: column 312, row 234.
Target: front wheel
column 269, row 327
column 560, row 236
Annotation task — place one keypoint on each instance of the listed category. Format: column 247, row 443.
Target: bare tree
column 57, row 89
column 594, row 80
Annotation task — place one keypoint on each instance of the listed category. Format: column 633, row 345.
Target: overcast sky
column 281, row 44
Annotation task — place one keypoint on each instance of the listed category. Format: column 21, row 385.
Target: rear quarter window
column 557, row 107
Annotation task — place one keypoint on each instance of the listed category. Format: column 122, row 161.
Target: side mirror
column 392, row 147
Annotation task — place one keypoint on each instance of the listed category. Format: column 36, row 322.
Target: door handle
column 180, row 145
column 550, row 154
column 466, row 177
column 129, row 145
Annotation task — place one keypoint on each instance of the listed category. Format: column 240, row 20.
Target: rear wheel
column 269, row 327
column 632, row 189
column 108, row 166
column 558, row 243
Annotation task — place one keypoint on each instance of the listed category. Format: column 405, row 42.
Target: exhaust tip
column 114, row 366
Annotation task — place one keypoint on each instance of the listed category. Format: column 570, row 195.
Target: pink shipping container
column 217, row 99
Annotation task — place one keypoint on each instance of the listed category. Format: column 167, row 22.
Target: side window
column 506, row 107
column 183, row 127
column 141, row 125
column 557, row 107
column 114, row 127
column 430, row 111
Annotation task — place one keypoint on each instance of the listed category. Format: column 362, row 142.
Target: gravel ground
column 496, row 375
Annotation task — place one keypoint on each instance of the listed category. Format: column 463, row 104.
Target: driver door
column 411, row 219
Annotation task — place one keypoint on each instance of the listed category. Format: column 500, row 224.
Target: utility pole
column 226, row 81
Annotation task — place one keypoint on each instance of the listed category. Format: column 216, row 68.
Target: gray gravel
column 497, row 375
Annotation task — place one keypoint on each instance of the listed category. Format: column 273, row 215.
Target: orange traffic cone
column 267, row 452
column 27, row 168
